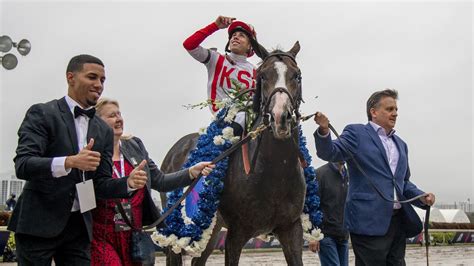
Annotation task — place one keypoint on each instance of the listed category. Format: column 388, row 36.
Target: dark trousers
column 71, row 247
column 381, row 250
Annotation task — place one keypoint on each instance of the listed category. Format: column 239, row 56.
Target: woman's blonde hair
column 99, row 107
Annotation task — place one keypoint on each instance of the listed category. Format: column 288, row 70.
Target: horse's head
column 278, row 93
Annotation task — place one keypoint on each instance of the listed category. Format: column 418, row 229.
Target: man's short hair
column 374, row 99
column 77, row 62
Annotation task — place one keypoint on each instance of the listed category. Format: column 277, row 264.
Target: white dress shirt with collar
column 391, row 151
column 82, row 125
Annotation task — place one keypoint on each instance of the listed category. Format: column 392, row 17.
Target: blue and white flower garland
column 312, row 216
column 193, row 236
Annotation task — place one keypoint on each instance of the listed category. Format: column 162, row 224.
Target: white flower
column 231, row 114
column 163, row 240
column 305, row 222
column 315, row 235
column 186, row 219
column 222, row 103
column 234, row 139
column 194, row 250
column 183, row 242
column 202, row 131
column 157, row 238
column 228, row 133
column 176, row 249
column 219, row 140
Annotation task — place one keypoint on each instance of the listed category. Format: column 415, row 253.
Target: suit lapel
column 128, row 154
column 92, row 129
column 66, row 115
column 378, row 143
column 131, row 154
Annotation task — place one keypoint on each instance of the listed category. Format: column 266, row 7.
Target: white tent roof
column 435, row 215
column 454, row 216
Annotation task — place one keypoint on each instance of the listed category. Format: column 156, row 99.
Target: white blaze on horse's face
column 281, row 102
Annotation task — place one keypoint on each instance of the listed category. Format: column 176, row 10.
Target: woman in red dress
column 111, row 243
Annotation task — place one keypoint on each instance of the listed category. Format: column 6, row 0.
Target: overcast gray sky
column 348, row 50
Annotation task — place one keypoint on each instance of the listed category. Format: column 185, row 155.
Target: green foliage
column 236, row 100
column 11, row 241
column 442, row 237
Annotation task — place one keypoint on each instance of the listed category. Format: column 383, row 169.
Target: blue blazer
column 366, row 213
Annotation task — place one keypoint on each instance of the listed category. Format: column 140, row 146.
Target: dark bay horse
column 270, row 198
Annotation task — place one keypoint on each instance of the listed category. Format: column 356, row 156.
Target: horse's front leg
column 291, row 239
column 173, row 259
column 234, row 243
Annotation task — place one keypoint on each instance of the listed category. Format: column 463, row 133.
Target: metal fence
column 466, row 206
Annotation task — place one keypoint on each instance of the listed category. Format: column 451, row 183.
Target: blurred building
column 9, row 184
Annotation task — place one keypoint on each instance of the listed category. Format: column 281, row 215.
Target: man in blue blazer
column 378, row 227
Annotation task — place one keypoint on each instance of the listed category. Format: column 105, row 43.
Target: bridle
column 266, row 100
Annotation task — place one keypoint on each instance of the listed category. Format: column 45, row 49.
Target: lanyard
column 122, row 168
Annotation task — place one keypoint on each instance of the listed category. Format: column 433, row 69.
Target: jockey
column 222, row 69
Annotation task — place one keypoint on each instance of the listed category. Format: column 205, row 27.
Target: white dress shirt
column 391, row 151
column 82, row 125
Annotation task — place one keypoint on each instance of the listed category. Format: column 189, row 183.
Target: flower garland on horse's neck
column 192, row 235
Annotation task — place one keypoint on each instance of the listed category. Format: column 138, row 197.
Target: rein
column 384, row 197
column 251, row 135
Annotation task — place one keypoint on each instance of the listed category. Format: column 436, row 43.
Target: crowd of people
column 75, row 157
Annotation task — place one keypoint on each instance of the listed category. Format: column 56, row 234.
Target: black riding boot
column 238, row 130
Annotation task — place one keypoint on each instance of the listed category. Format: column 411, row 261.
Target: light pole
column 9, row 60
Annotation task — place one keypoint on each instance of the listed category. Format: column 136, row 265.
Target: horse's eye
column 262, row 78
column 297, row 77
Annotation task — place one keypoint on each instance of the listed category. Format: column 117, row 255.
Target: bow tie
column 79, row 111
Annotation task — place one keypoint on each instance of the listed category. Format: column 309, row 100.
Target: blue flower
column 209, row 197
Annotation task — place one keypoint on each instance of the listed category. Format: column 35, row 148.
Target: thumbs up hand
column 85, row 160
column 89, row 145
column 138, row 178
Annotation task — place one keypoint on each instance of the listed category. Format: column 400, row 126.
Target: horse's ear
column 259, row 50
column 295, row 49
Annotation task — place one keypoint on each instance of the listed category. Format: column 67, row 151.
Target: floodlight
column 23, row 47
column 9, row 61
column 6, row 43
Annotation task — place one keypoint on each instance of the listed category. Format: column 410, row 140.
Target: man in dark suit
column 62, row 146
column 378, row 227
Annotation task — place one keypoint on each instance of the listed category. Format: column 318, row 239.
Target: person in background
column 11, row 202
column 333, row 249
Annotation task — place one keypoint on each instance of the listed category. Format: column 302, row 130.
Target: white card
column 86, row 195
